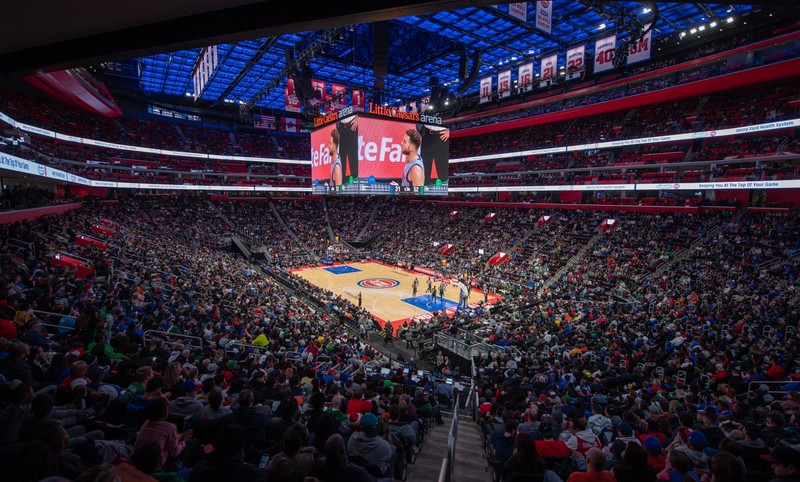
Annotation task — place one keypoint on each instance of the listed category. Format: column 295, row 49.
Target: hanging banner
column 548, row 70
column 604, row 54
column 319, row 87
column 526, row 77
column 640, row 50
column 264, row 122
column 544, row 15
column 358, row 100
column 504, row 83
column 518, row 10
column 292, row 102
column 486, row 89
column 338, row 97
column 289, row 124
column 575, row 65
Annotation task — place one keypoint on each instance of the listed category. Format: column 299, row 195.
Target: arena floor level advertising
column 386, row 291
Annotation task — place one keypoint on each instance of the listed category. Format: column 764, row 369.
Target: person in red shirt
column 549, row 447
column 595, row 461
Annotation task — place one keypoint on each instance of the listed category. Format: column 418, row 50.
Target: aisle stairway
column 470, row 461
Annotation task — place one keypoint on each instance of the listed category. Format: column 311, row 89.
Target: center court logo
column 378, row 283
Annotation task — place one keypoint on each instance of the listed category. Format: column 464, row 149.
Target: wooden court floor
column 383, row 289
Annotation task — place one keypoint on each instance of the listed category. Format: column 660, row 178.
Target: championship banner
column 338, row 96
column 640, row 50
column 544, row 15
column 604, row 54
column 526, row 77
column 504, row 83
column 575, row 65
column 358, row 100
column 518, row 10
column 548, row 70
column 292, row 102
column 486, row 89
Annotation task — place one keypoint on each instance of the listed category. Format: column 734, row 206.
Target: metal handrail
column 166, row 336
column 768, row 383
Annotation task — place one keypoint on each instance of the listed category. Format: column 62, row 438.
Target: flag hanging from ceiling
column 289, row 124
column 264, row 122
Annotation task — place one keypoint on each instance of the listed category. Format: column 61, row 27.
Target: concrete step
column 470, row 459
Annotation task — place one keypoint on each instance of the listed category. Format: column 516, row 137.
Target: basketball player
column 429, row 289
column 336, row 166
column 441, row 291
column 414, row 171
column 414, row 287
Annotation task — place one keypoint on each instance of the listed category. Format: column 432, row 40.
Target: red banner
column 292, row 102
column 338, row 96
column 358, row 100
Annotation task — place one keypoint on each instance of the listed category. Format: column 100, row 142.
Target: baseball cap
column 369, row 420
column 783, row 455
column 625, row 429
column 545, row 429
column 652, row 445
column 698, row 439
column 212, row 367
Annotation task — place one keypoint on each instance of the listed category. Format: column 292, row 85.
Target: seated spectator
column 371, row 447
column 214, row 409
column 678, row 468
column 577, row 437
column 254, row 422
column 634, row 466
column 503, row 442
column 138, row 387
column 334, row 467
column 595, row 461
column 525, row 460
column 655, row 456
column 785, row 463
column 226, row 462
column 549, row 446
column 693, row 447
column 20, row 395
column 165, row 434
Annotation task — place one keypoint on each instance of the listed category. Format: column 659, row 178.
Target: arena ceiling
column 152, row 48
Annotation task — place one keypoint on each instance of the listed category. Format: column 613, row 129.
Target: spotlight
column 729, row 20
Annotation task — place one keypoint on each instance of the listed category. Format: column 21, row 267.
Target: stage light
column 729, row 20
column 713, row 24
column 693, row 31
column 701, row 28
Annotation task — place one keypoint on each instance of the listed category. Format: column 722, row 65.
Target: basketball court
column 386, row 291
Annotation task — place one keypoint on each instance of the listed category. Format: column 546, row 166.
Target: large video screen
column 368, row 155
